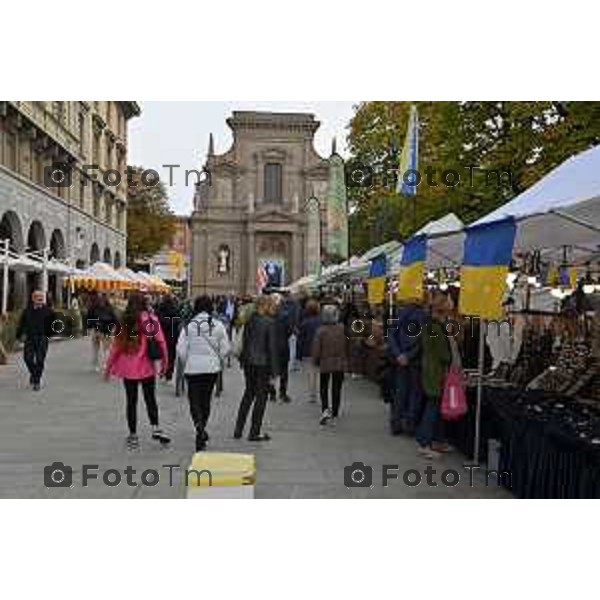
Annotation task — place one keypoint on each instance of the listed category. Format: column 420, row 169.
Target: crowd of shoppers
column 325, row 336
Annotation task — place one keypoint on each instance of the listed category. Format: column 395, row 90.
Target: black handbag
column 153, row 349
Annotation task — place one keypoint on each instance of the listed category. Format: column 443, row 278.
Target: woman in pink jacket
column 134, row 352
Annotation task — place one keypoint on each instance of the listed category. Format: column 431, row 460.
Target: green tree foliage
column 525, row 139
column 150, row 221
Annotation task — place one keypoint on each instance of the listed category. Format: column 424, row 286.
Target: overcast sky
column 177, row 133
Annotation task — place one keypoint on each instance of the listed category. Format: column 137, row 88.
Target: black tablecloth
column 545, row 458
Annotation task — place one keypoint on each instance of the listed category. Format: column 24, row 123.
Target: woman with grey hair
column 330, row 354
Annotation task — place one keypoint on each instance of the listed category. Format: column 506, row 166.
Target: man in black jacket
column 35, row 325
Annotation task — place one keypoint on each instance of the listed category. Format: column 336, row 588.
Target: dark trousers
column 406, row 400
column 200, row 387
column 34, row 355
column 149, row 392
column 337, row 379
column 429, row 427
column 257, row 384
column 219, row 381
column 171, row 354
column 283, row 382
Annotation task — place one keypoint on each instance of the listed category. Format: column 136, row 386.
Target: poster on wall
column 274, row 271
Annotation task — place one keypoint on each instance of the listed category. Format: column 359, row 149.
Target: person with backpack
column 138, row 346
column 203, row 346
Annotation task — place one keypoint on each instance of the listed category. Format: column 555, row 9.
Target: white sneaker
column 333, row 421
column 325, row 416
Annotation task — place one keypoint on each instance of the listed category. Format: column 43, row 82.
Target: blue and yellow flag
column 487, row 255
column 412, row 266
column 409, row 159
column 567, row 277
column 376, row 282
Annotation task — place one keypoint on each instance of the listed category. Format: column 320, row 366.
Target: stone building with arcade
column 77, row 224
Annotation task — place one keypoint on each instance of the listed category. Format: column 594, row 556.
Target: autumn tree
column 150, row 221
column 498, row 148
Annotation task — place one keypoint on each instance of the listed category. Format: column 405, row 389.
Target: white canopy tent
column 561, row 209
column 443, row 248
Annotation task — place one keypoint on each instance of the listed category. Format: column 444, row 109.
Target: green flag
column 337, row 215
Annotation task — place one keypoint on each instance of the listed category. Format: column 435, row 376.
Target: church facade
column 252, row 210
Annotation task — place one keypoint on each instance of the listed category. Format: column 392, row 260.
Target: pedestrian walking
column 139, row 345
column 282, row 316
column 202, row 347
column 310, row 323
column 258, row 359
column 102, row 320
column 168, row 314
column 35, row 327
column 330, row 354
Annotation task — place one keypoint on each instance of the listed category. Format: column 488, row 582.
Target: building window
column 58, row 108
column 81, row 191
column 108, row 212
column 109, row 153
column 120, row 216
column 273, row 183
column 96, row 148
column 81, row 133
column 11, row 150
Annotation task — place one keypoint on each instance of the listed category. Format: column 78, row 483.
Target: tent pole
column 480, row 361
column 6, row 244
column 45, row 271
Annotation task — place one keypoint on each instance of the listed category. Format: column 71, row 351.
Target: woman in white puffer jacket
column 202, row 347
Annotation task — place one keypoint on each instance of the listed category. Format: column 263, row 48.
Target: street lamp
column 313, row 205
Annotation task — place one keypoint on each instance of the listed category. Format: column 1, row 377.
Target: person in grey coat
column 330, row 354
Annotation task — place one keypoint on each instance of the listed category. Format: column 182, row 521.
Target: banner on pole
column 337, row 213
column 412, row 267
column 487, row 256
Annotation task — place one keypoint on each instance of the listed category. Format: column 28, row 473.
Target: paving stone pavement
column 77, row 418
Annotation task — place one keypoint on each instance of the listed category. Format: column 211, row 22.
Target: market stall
column 541, row 401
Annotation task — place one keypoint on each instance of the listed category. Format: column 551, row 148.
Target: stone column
column 198, row 260
column 297, row 256
column 251, row 261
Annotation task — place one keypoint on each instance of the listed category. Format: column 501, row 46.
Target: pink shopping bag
column 454, row 400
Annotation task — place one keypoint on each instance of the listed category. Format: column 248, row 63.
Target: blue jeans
column 406, row 400
column 428, row 427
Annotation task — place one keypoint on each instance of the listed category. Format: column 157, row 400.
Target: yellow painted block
column 221, row 469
